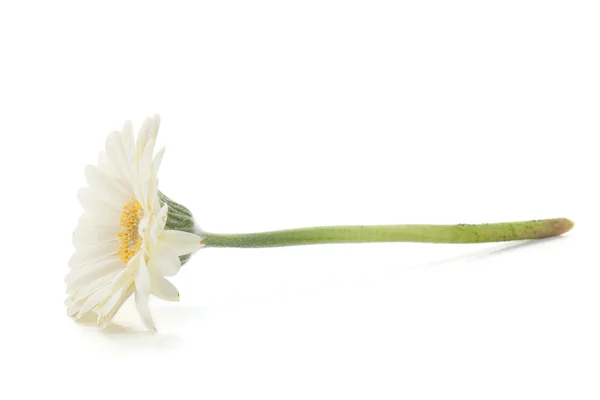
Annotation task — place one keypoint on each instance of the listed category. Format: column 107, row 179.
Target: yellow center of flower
column 130, row 240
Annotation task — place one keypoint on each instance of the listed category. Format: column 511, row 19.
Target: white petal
column 93, row 286
column 86, row 254
column 148, row 131
column 155, row 126
column 127, row 275
column 79, row 277
column 96, row 206
column 141, row 303
column 149, row 230
column 162, row 216
column 143, row 226
column 73, row 309
column 90, row 231
column 157, row 161
column 137, row 190
column 112, row 299
column 142, row 277
column 145, row 174
column 93, row 300
column 153, row 199
column 117, row 157
column 104, row 165
column 103, row 183
column 107, row 313
column 142, row 292
column 153, row 231
column 142, row 138
column 163, row 289
column 182, row 243
column 69, row 301
column 127, row 138
column 145, row 161
column 163, row 260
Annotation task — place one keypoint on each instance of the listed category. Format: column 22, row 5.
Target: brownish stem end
column 557, row 226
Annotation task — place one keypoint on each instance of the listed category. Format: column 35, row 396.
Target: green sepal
column 179, row 218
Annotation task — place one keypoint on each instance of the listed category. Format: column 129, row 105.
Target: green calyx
column 179, row 218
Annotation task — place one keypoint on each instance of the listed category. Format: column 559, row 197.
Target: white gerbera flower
column 130, row 236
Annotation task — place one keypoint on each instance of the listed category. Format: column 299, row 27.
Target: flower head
column 130, row 236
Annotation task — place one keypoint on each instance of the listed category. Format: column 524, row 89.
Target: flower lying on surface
column 130, row 236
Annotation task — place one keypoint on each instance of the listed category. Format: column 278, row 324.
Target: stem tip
column 560, row 226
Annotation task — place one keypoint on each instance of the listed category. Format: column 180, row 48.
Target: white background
column 288, row 114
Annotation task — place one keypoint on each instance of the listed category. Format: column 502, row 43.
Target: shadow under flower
column 138, row 336
column 495, row 251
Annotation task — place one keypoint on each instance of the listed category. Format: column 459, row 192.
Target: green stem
column 462, row 233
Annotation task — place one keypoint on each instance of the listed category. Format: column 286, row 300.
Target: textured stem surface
column 463, row 233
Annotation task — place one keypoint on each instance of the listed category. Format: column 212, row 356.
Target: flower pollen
column 130, row 240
